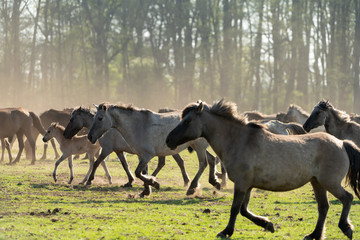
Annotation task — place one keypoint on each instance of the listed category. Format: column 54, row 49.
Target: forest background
column 263, row 54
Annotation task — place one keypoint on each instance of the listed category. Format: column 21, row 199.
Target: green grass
column 32, row 206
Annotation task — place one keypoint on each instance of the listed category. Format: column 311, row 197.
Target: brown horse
column 19, row 122
column 257, row 158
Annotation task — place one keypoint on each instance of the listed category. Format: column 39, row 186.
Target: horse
column 69, row 147
column 257, row 158
column 19, row 122
column 145, row 131
column 256, row 115
column 297, row 114
column 336, row 122
column 112, row 141
column 279, row 127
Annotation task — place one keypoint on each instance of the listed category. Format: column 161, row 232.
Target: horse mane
column 293, row 107
column 87, row 110
column 58, row 126
column 127, row 108
column 256, row 113
column 338, row 114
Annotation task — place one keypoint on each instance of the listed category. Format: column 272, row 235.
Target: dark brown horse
column 19, row 122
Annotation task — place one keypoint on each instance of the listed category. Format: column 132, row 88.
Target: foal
column 69, row 147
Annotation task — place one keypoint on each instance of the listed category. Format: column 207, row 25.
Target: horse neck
column 333, row 124
column 301, row 117
column 87, row 119
column 215, row 130
column 124, row 123
column 59, row 135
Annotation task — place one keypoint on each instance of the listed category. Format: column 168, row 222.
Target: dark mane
column 85, row 110
column 190, row 107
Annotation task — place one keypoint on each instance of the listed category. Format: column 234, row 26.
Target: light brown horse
column 257, row 158
column 336, row 122
column 69, row 147
column 19, row 122
column 258, row 116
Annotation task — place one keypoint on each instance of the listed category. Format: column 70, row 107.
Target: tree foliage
column 263, row 54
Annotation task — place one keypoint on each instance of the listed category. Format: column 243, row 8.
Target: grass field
column 32, row 206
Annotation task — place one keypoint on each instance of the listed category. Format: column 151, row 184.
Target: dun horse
column 145, row 131
column 257, row 158
column 112, row 141
column 336, row 122
column 69, row 147
column 19, row 122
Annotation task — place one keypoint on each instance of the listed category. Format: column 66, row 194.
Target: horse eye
column 48, row 131
column 100, row 118
column 71, row 119
column 186, row 122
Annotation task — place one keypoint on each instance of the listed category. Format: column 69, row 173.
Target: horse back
column 52, row 115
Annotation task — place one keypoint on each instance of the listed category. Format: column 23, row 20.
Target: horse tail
column 37, row 123
column 353, row 175
column 296, row 129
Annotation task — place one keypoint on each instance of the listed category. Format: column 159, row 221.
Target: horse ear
column 200, row 107
column 103, row 107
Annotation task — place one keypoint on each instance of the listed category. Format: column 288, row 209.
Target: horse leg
column 125, row 165
column 55, row 150
column 213, row 180
column 91, row 165
column 62, row 158
column 223, row 175
column 19, row 136
column 239, row 196
column 148, row 180
column 3, row 149
column 323, row 207
column 346, row 199
column 8, row 148
column 161, row 164
column 258, row 220
column 71, row 166
column 45, row 149
column 107, row 173
column 180, row 163
column 32, row 145
column 202, row 165
column 96, row 164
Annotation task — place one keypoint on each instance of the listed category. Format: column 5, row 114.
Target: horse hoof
column 307, row 238
column 127, row 185
column 220, row 235
column 190, row 191
column 218, row 186
column 88, row 183
column 349, row 233
column 156, row 185
column 270, row 227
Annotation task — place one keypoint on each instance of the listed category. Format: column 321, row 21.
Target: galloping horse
column 19, row 122
column 257, row 158
column 109, row 142
column 336, row 122
column 145, row 131
column 69, row 147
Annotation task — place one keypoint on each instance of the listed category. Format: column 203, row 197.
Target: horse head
column 101, row 123
column 317, row 117
column 189, row 127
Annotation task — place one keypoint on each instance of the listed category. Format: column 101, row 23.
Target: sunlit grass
column 32, row 206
